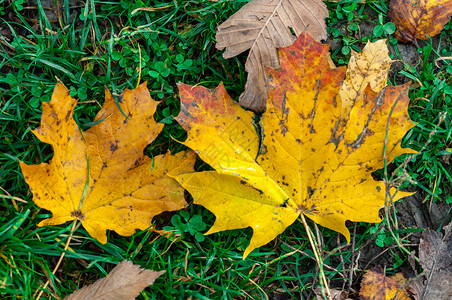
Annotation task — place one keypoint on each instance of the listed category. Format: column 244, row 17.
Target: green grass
column 103, row 45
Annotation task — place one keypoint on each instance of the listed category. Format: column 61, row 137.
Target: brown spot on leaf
column 113, row 147
column 68, row 116
column 78, row 215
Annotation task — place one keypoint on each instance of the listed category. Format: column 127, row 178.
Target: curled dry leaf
column 263, row 26
column 307, row 164
column 418, row 19
column 376, row 285
column 124, row 282
column 101, row 176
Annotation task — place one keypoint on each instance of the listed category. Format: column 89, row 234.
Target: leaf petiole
column 318, row 258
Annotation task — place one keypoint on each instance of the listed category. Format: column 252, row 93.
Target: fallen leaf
column 124, row 282
column 416, row 287
column 369, row 67
column 435, row 257
column 376, row 285
column 335, row 294
column 419, row 19
column 101, row 176
column 302, row 167
column 263, row 26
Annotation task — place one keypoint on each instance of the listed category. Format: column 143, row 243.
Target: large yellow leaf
column 305, row 165
column 101, row 177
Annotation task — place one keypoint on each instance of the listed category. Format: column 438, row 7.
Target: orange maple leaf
column 418, row 19
column 308, row 164
column 376, row 285
column 101, row 176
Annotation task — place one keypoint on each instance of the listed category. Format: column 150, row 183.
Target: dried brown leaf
column 335, row 294
column 263, row 26
column 416, row 287
column 435, row 257
column 124, row 282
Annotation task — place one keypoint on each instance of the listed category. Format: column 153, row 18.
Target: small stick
column 342, row 261
column 352, row 260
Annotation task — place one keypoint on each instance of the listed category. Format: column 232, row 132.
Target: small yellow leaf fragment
column 369, row 67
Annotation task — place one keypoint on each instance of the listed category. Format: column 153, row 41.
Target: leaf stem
column 318, row 258
column 73, row 229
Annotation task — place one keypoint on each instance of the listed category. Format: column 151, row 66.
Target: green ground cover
column 96, row 44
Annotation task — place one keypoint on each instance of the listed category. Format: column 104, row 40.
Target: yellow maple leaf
column 305, row 166
column 101, row 176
